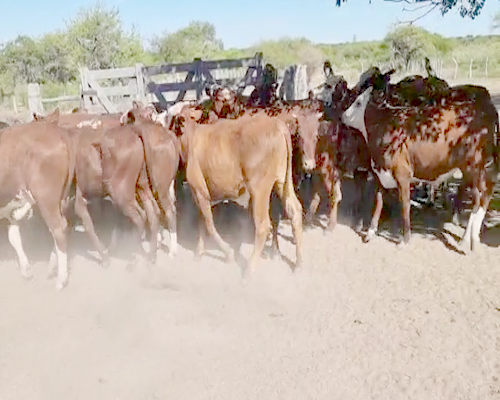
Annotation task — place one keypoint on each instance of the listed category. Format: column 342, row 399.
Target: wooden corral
column 113, row 90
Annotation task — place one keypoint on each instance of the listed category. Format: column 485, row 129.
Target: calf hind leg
column 372, row 230
column 206, row 211
column 15, row 240
column 82, row 211
column 58, row 225
column 335, row 194
column 260, row 211
column 147, row 200
column 293, row 211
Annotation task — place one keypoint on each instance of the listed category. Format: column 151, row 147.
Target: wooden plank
column 141, row 93
column 61, row 98
column 114, row 91
column 112, row 73
column 151, row 88
column 110, row 108
column 184, row 88
column 189, row 67
column 173, row 87
column 85, row 86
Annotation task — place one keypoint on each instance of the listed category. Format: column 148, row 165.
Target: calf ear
column 137, row 104
column 129, row 118
column 53, row 118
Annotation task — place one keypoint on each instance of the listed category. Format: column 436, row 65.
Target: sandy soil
column 360, row 321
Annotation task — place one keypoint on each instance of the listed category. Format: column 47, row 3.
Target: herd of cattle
column 259, row 148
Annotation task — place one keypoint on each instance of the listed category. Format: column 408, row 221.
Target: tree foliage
column 409, row 43
column 466, row 8
column 198, row 39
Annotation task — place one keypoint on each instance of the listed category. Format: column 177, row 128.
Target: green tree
column 198, row 39
column 98, row 40
column 409, row 43
column 55, row 57
column 466, row 8
column 22, row 58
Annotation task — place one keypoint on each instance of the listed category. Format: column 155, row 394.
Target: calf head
column 139, row 110
column 224, row 101
column 354, row 116
column 306, row 136
column 52, row 118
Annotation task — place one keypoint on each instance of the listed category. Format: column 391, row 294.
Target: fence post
column 14, row 103
column 34, row 99
column 456, row 68
column 300, row 88
column 139, row 76
column 198, row 78
column 85, row 86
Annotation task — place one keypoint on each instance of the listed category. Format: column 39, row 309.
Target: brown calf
column 162, row 151
column 247, row 156
column 111, row 163
column 37, row 167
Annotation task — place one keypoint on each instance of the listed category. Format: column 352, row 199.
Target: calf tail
column 289, row 190
column 496, row 150
column 71, row 180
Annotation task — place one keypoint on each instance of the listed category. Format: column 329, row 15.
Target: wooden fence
column 113, row 90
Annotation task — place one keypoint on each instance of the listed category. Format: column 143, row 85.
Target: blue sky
column 243, row 23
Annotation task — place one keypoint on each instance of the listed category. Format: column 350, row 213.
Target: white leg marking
column 62, row 269
column 145, row 246
column 52, row 264
column 465, row 242
column 370, row 234
column 23, row 211
column 171, row 190
column 16, row 243
column 173, row 244
column 159, row 236
column 476, row 227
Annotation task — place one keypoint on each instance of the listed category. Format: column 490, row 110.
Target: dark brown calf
column 37, row 167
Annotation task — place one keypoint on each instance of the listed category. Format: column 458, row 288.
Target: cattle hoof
column 27, row 275
column 358, row 227
column 105, row 262
column 327, row 232
column 369, row 235
column 308, row 219
column 60, row 285
column 298, row 267
column 465, row 246
column 247, row 275
column 402, row 244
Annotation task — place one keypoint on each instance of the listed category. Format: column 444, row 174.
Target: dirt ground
column 360, row 321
